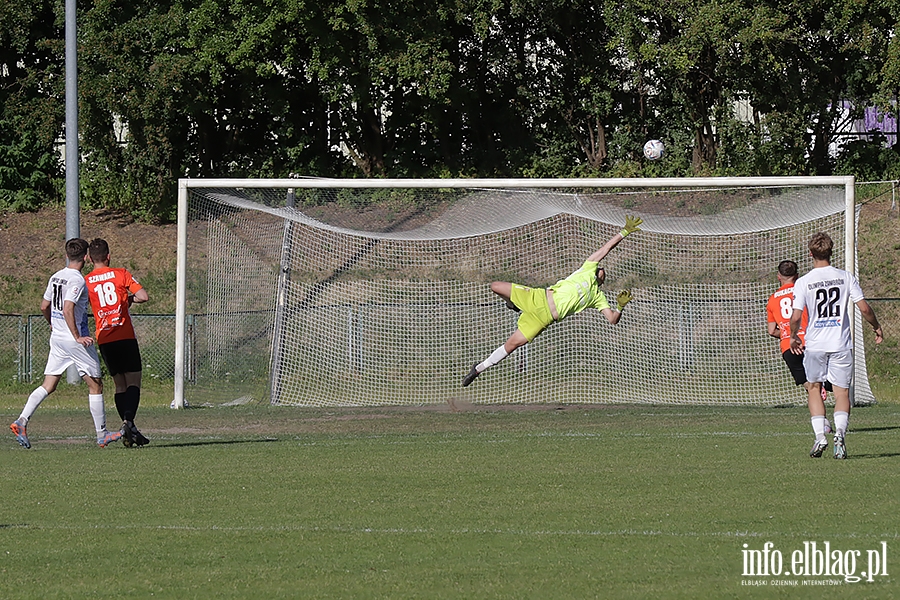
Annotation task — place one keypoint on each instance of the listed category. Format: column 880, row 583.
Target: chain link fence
column 24, row 343
column 12, row 347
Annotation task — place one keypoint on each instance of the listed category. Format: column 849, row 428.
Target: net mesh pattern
column 339, row 297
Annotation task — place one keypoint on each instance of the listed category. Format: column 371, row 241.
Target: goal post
column 375, row 292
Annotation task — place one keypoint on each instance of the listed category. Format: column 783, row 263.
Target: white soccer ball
column 654, row 149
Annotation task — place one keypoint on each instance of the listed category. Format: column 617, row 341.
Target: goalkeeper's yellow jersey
column 579, row 291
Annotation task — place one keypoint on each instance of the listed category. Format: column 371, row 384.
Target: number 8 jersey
column 108, row 290
column 826, row 293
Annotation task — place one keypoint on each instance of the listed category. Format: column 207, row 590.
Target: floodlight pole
column 73, row 222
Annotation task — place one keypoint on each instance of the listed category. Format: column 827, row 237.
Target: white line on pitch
column 465, row 531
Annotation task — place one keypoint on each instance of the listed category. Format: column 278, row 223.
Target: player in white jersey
column 65, row 306
column 826, row 293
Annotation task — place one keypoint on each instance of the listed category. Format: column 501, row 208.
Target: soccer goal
column 326, row 292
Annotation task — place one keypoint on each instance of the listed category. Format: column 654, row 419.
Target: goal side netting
column 361, row 293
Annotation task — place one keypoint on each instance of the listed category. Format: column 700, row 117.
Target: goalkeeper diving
column 540, row 307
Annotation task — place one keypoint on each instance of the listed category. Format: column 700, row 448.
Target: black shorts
column 121, row 356
column 795, row 364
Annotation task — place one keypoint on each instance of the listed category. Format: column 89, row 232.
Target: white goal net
column 364, row 293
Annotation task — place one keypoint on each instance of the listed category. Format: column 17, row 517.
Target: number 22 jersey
column 827, row 293
column 108, row 290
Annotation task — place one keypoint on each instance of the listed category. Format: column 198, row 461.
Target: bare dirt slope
column 879, row 248
column 32, row 245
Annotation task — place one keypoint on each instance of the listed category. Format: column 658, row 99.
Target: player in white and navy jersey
column 65, row 306
column 828, row 294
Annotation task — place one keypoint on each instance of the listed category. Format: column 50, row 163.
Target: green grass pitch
column 524, row 502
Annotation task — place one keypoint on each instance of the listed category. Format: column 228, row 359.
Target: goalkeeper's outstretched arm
column 632, row 224
column 623, row 298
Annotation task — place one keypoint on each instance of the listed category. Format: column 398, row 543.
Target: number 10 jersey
column 67, row 285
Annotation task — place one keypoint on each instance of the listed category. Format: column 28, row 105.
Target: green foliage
column 30, row 171
column 342, row 88
column 869, row 160
column 30, row 104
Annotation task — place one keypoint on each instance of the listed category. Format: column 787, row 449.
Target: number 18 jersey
column 108, row 290
column 827, row 293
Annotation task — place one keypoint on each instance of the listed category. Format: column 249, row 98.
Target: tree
column 810, row 64
column 203, row 89
column 32, row 106
column 395, row 88
column 572, row 79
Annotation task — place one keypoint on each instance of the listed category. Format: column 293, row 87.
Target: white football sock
column 495, row 357
column 818, row 425
column 34, row 400
column 841, row 421
column 98, row 411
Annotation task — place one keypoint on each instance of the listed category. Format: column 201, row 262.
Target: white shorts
column 66, row 353
column 836, row 367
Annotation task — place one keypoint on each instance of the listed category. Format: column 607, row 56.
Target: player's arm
column 623, row 298
column 869, row 315
column 139, row 297
column 45, row 310
column 796, row 345
column 137, row 293
column 611, row 315
column 69, row 315
column 632, row 224
column 771, row 323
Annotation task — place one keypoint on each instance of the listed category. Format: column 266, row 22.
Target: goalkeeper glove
column 623, row 298
column 632, row 224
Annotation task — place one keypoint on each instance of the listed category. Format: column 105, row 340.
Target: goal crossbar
column 185, row 185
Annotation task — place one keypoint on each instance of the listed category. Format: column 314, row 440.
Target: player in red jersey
column 779, row 310
column 111, row 291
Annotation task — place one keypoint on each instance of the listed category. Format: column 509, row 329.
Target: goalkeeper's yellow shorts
column 535, row 310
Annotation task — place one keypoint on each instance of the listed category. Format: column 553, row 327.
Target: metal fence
column 12, row 347
column 24, row 342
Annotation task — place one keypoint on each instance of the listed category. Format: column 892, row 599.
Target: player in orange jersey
column 111, row 291
column 779, row 309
